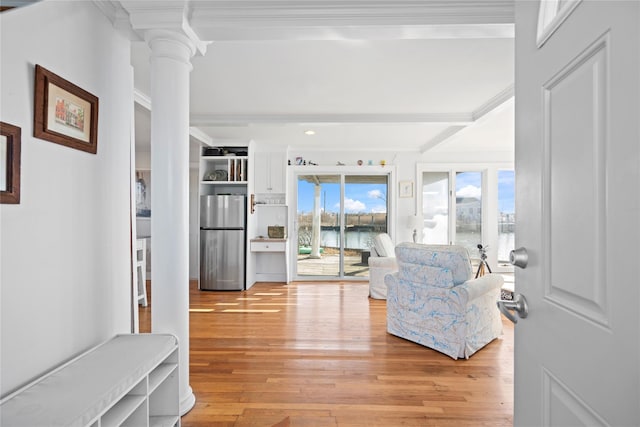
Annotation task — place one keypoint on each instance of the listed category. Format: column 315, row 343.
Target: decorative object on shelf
column 383, row 162
column 339, row 163
column 299, row 160
column 360, row 162
column 405, row 189
column 275, row 232
column 217, row 175
column 64, row 113
column 370, row 163
column 312, row 164
column 10, row 144
column 211, row 151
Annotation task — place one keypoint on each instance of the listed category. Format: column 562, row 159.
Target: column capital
column 170, row 44
column 165, row 20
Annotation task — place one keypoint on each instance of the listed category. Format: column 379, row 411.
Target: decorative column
column 171, row 54
column 316, row 225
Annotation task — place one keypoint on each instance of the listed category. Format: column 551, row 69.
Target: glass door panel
column 365, row 213
column 506, row 215
column 319, row 224
column 435, row 208
column 469, row 211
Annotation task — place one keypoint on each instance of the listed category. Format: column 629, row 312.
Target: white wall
column 65, row 249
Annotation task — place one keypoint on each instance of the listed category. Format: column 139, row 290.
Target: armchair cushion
column 383, row 245
column 412, row 257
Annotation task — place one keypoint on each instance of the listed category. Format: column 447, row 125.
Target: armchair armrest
column 475, row 288
column 379, row 267
column 383, row 262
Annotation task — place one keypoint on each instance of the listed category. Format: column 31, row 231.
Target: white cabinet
column 269, row 172
column 130, row 380
column 268, row 245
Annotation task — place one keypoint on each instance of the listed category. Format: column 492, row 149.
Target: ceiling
column 406, row 75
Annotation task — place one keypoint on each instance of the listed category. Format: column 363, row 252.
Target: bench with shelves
column 129, row 380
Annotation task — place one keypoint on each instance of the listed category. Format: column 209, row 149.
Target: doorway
column 337, row 217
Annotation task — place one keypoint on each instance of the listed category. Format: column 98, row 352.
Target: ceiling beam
column 491, row 105
column 245, row 120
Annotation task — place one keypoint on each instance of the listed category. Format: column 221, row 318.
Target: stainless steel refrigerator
column 222, row 242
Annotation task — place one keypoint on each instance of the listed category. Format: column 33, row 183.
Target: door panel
column 574, row 147
column 468, row 210
column 435, row 208
column 319, row 225
column 577, row 354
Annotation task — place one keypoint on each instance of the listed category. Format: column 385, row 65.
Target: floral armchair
column 432, row 300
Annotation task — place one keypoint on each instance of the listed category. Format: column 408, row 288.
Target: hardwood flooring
column 318, row 354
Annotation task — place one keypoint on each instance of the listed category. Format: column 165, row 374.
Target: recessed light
column 309, row 132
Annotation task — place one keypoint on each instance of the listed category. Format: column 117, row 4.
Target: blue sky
column 372, row 197
column 468, row 184
column 358, row 197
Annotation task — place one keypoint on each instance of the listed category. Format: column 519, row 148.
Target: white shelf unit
column 231, row 170
column 130, row 380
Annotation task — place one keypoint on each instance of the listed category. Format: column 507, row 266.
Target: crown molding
column 226, row 20
column 353, row 19
column 355, row 12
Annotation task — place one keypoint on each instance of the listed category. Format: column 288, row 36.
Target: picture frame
column 64, row 113
column 10, row 146
column 405, row 189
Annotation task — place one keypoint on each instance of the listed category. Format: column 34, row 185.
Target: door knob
column 519, row 305
column 519, row 257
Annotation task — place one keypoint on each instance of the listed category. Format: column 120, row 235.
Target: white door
column 577, row 160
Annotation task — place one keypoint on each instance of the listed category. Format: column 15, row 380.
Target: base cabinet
column 130, row 380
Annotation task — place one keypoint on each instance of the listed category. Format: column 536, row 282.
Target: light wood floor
column 318, row 354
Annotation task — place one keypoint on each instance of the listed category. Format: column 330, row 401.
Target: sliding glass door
column 470, row 207
column 452, row 208
column 338, row 215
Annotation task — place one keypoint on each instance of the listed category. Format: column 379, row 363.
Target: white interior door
column 577, row 160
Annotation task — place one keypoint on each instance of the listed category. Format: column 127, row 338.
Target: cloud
column 469, row 191
column 375, row 194
column 351, row 205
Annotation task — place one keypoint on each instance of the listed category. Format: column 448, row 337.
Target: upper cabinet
column 270, row 172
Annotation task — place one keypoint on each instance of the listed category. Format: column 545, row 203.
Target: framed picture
column 406, row 189
column 10, row 140
column 64, row 113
